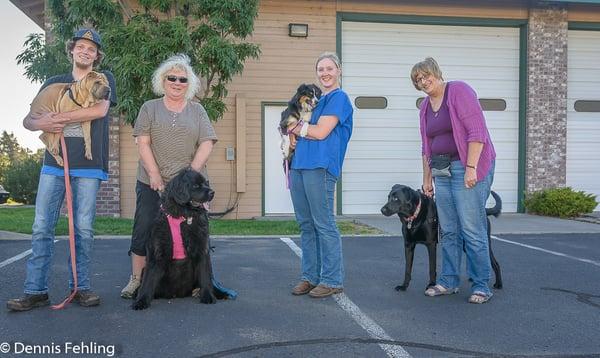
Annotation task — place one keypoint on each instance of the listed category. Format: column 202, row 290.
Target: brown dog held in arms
column 66, row 97
column 419, row 219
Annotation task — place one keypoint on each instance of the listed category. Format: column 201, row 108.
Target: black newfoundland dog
column 180, row 268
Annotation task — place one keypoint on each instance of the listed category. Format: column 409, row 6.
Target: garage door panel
column 583, row 129
column 380, row 198
column 500, row 58
column 386, row 147
column 400, row 34
column 581, row 138
column 377, row 134
column 382, row 165
column 368, row 149
column 382, row 70
column 364, row 87
column 584, row 73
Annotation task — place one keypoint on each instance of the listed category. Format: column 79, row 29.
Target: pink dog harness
column 175, row 226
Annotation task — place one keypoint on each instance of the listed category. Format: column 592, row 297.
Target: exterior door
column 277, row 196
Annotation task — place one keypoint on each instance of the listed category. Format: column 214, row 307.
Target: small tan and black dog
column 65, row 97
column 298, row 111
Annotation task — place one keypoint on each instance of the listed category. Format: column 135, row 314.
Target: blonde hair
column 426, row 67
column 181, row 62
column 330, row 55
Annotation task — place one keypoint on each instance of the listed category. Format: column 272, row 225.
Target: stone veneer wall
column 546, row 96
column 108, row 200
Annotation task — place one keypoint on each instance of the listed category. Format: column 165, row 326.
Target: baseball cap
column 88, row 34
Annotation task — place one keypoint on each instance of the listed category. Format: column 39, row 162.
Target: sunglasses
column 175, row 78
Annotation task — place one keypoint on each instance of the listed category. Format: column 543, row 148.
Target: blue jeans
column 50, row 195
column 463, row 224
column 312, row 193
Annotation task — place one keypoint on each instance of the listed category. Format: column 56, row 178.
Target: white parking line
column 17, row 257
column 374, row 330
column 587, row 261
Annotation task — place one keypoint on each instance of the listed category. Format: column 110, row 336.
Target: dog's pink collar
column 410, row 219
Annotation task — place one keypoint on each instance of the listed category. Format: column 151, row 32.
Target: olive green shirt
column 174, row 137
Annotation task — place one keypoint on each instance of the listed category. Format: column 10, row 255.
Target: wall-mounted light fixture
column 298, row 30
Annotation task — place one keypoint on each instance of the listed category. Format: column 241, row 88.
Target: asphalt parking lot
column 549, row 307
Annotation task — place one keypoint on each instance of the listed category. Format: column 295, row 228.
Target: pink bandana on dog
column 175, row 226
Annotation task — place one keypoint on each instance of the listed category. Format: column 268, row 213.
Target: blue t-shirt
column 329, row 152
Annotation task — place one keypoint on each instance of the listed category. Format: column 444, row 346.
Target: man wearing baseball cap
column 85, row 53
column 88, row 34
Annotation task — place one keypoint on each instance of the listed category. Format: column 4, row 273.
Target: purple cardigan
column 468, row 125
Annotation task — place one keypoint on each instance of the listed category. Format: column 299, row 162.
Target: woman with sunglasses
column 172, row 133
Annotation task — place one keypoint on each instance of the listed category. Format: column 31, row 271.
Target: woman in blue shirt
column 317, row 164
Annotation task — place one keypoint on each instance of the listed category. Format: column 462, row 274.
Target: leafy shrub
column 561, row 202
column 21, row 179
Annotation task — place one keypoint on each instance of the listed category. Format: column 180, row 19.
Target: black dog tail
column 497, row 209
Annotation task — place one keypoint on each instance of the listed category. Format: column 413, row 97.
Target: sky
column 16, row 91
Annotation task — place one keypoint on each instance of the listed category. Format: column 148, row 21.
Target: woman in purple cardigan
column 459, row 155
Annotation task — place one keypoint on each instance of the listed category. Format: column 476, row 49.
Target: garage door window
column 587, row 106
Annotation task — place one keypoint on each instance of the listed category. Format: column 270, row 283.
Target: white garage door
column 386, row 147
column 583, row 112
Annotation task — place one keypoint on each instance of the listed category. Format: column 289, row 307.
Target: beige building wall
column 286, row 62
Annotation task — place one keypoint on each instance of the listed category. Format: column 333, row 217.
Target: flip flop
column 439, row 290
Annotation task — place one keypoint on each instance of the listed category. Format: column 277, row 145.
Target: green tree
column 22, row 177
column 211, row 32
column 19, row 169
column 10, row 152
column 10, row 147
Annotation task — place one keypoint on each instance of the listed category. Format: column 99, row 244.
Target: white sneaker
column 132, row 286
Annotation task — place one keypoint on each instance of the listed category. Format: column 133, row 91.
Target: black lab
column 165, row 276
column 419, row 219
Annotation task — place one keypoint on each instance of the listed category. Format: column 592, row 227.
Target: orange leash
column 69, row 193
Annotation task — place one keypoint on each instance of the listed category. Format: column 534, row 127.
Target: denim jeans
column 463, row 225
column 50, row 195
column 312, row 193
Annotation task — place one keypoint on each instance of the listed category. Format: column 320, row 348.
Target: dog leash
column 286, row 162
column 69, row 194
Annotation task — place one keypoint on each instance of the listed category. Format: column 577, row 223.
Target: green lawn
column 20, row 220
